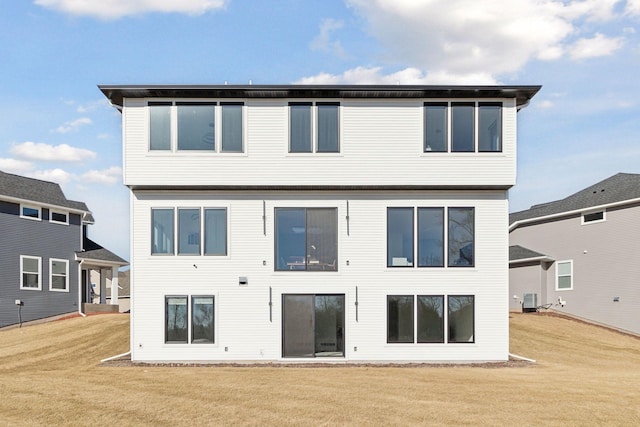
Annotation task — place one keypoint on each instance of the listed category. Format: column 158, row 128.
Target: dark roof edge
column 317, row 187
column 117, row 93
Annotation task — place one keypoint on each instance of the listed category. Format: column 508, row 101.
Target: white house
column 306, row 223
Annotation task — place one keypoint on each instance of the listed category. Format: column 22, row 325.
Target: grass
column 585, row 375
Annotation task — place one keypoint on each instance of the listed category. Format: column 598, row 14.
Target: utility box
column 529, row 303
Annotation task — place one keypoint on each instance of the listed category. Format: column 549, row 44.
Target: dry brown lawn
column 584, row 375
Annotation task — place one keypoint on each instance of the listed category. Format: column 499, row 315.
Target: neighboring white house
column 298, row 223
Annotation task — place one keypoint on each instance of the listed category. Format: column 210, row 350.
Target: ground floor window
column 179, row 319
column 421, row 318
column 30, row 268
column 313, row 325
column 58, row 274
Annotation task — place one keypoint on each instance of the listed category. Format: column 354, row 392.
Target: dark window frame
column 413, row 320
column 179, row 104
column 500, row 133
column 426, row 147
column 304, row 265
column 173, row 232
column 315, row 130
column 442, row 320
column 413, row 237
column 166, row 319
column 193, row 323
column 450, row 323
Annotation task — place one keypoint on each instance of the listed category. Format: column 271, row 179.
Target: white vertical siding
column 381, row 144
column 243, row 329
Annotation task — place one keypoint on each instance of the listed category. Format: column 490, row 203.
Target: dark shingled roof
column 38, row 191
column 617, row 188
column 517, row 252
column 93, row 251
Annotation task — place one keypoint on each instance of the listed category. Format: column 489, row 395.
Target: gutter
column 532, row 259
column 516, row 224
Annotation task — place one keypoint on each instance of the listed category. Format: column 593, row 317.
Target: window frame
column 203, row 233
column 218, row 141
column 473, row 320
column 450, row 236
column 390, row 259
column 178, row 231
column 58, row 212
column 449, row 123
column 305, row 264
column 443, row 320
column 22, row 273
column 558, row 275
column 172, row 252
column 24, row 206
column 413, row 319
column 585, row 221
column 166, row 319
column 192, row 322
column 314, row 127
column 52, row 275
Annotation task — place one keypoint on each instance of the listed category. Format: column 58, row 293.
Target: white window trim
column 570, row 261
column 604, row 217
column 22, row 287
column 38, row 208
column 314, row 128
column 51, row 275
column 51, row 212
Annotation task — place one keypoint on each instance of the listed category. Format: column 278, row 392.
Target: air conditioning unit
column 529, row 303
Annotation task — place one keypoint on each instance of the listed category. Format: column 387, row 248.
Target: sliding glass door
column 313, row 325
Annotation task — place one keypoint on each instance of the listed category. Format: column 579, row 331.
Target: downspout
column 115, row 357
column 526, row 359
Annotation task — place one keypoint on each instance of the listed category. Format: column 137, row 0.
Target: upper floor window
column 306, row 239
column 463, row 127
column 314, row 127
column 401, row 238
column 58, row 274
column 30, row 272
column 31, row 212
column 59, row 217
column 591, row 217
column 195, row 126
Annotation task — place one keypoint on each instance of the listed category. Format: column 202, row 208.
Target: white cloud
column 633, row 7
column 93, row 105
column 55, row 175
column 598, row 45
column 545, row 104
column 73, row 125
column 459, row 38
column 50, row 153
column 111, row 175
column 408, row 76
column 17, row 167
column 114, row 9
column 323, row 41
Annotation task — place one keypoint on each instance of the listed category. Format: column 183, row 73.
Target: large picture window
column 176, row 319
column 162, row 231
column 306, row 239
column 461, row 319
column 58, row 275
column 303, row 138
column 30, row 272
column 196, row 126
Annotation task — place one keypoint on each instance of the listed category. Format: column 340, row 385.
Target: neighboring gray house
column 581, row 255
column 45, row 256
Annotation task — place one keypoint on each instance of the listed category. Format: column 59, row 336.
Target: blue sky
column 583, row 126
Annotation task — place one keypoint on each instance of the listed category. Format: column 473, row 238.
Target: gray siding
column 42, row 239
column 606, row 264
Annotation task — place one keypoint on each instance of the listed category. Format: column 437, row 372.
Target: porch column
column 103, row 287
column 114, row 285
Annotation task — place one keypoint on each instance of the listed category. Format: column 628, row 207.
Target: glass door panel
column 297, row 330
column 329, row 326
